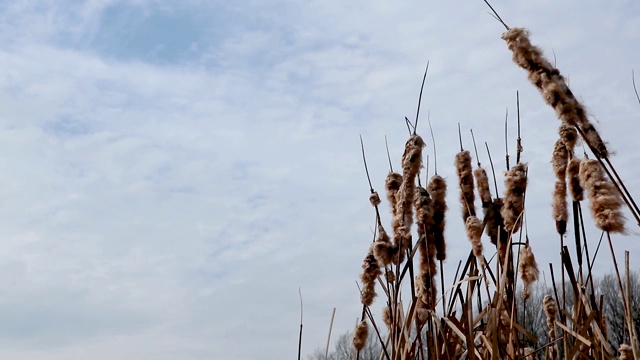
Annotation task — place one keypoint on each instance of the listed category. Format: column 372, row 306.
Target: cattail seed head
column 569, row 136
column 515, row 184
column 437, row 188
column 392, row 185
column 560, row 159
column 551, row 309
column 560, row 211
column 474, row 233
column 528, row 268
column 465, row 180
column 626, row 352
column 386, row 316
column 371, row 271
column 374, row 199
column 552, row 85
column 605, row 200
column 573, row 174
column 482, row 181
column 360, row 335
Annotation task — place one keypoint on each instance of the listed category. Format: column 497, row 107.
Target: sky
column 172, row 173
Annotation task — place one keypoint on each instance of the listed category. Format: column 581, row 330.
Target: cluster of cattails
column 465, row 179
column 515, row 185
column 551, row 309
column 552, row 85
column 528, row 268
column 605, row 200
column 560, row 160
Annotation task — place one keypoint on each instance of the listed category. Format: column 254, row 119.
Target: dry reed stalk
column 552, row 85
column 573, row 173
column 371, row 271
column 465, row 180
column 482, row 182
column 528, row 268
column 605, row 200
column 626, row 352
column 551, row 309
column 438, row 190
column 515, row 184
column 474, row 233
column 360, row 335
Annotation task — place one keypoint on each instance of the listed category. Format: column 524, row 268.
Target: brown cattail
column 438, row 190
column 552, row 86
column 573, row 174
column 568, row 135
column 360, row 335
column 392, row 185
column 374, row 199
column 515, row 184
column 386, row 316
column 560, row 159
column 495, row 223
column 482, row 181
column 383, row 250
column 626, row 352
column 551, row 309
column 411, row 163
column 560, row 211
column 604, row 198
column 371, row 271
column 474, row 233
column 528, row 268
column 465, row 180
column 427, row 268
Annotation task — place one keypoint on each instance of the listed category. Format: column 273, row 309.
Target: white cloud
column 171, row 209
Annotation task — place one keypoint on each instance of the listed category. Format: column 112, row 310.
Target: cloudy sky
column 172, row 172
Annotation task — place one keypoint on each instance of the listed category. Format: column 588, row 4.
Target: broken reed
column 478, row 319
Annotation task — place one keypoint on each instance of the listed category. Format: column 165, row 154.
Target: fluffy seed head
column 569, row 136
column 438, row 190
column 560, row 212
column 573, row 174
column 360, row 335
column 626, row 352
column 465, row 180
column 515, row 184
column 374, row 199
column 482, row 181
column 528, row 268
column 605, row 200
column 560, row 159
column 392, row 185
column 474, row 233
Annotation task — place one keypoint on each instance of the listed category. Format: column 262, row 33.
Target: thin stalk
column 426, row 70
column 506, row 138
column 493, row 170
column 519, row 140
column 300, row 336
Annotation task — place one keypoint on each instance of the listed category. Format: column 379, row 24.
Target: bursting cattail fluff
column 374, row 199
column 552, row 86
column 360, row 335
column 465, row 180
column 568, row 135
column 371, row 271
column 605, row 200
column 383, row 250
column 474, row 233
column 528, row 268
column 392, row 185
column 482, row 182
column 411, row 164
column 573, row 175
column 626, row 352
column 427, row 263
column 559, row 160
column 551, row 309
column 438, row 190
column 515, row 184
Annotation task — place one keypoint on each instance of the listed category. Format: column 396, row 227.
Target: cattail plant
column 427, row 267
column 474, row 233
column 465, row 180
column 573, row 174
column 626, row 352
column 559, row 160
column 482, row 182
column 568, row 135
column 515, row 184
column 528, row 268
column 552, row 85
column 551, row 309
column 360, row 335
column 604, row 198
column 371, row 271
column 438, row 190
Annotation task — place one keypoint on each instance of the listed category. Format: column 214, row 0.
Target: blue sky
column 172, row 173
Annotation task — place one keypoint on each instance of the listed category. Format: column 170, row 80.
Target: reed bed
column 475, row 315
